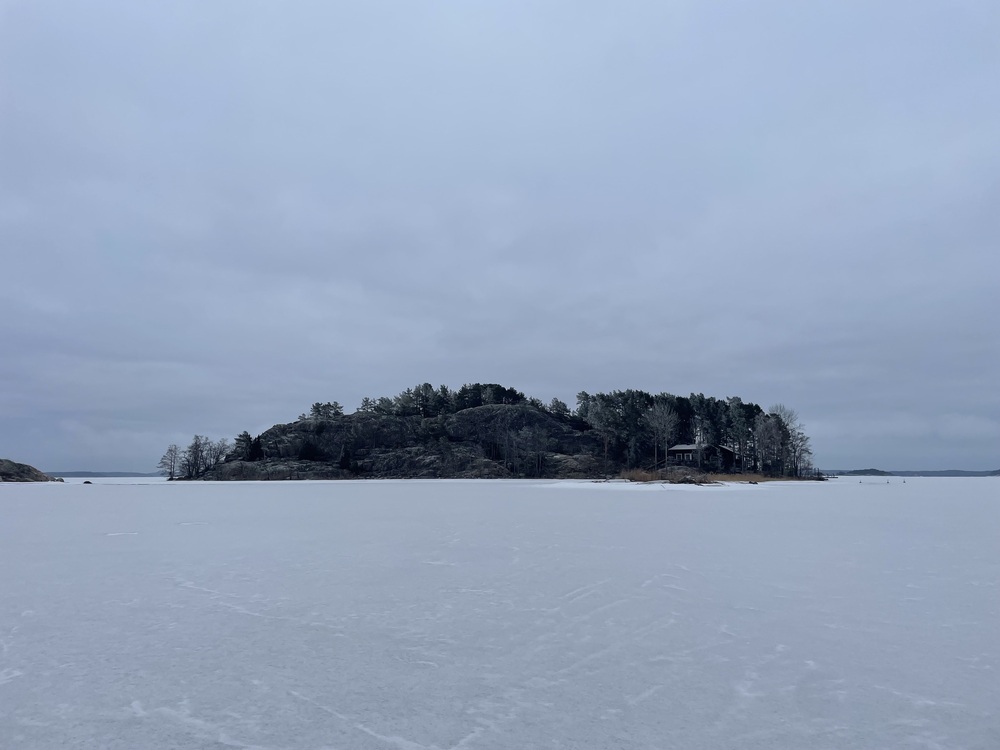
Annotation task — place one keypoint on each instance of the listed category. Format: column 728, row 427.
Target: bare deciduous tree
column 215, row 452
column 797, row 451
column 170, row 462
column 193, row 457
column 767, row 438
column 664, row 421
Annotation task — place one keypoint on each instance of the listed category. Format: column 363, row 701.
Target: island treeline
column 489, row 430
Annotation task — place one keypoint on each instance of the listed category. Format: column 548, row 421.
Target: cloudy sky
column 214, row 214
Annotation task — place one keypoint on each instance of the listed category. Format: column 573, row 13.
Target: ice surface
column 490, row 614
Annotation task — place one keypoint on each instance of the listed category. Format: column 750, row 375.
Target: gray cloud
column 214, row 214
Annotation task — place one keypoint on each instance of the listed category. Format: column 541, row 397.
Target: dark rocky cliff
column 497, row 440
column 11, row 471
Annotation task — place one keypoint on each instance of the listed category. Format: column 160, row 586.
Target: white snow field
column 418, row 615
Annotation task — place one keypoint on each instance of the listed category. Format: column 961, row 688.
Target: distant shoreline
column 939, row 473
column 98, row 474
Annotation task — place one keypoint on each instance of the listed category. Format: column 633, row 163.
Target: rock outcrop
column 11, row 471
column 491, row 441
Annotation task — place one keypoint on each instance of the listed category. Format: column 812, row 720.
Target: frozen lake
column 489, row 614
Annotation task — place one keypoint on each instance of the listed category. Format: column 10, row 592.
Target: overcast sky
column 213, row 214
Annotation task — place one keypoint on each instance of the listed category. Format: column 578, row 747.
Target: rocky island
column 491, row 431
column 11, row 471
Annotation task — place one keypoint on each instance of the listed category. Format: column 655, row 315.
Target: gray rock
column 493, row 441
column 11, row 471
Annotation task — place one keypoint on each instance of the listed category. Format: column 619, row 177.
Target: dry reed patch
column 674, row 475
column 641, row 475
column 742, row 478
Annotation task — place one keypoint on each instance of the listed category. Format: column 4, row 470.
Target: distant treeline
column 486, row 429
column 924, row 473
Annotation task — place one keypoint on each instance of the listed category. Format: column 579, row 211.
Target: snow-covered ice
column 497, row 614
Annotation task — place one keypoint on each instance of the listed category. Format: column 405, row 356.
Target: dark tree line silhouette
column 619, row 430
